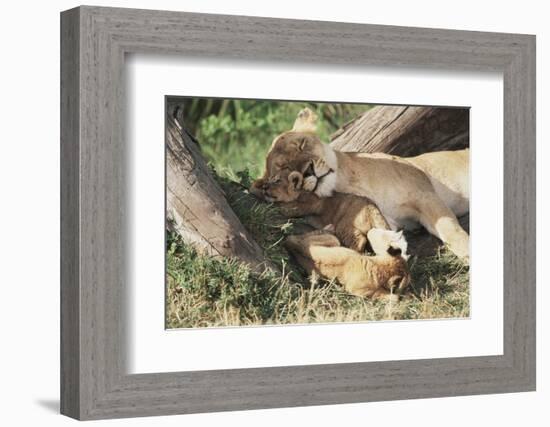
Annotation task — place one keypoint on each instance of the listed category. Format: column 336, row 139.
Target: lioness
column 430, row 189
column 383, row 275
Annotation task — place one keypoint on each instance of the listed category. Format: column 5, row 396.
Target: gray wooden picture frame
column 94, row 382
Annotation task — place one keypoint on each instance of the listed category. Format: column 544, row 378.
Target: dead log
column 405, row 131
column 196, row 205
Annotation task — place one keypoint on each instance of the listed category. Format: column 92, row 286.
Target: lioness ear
column 295, row 179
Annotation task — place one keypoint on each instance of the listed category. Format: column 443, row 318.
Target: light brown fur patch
column 351, row 216
column 367, row 276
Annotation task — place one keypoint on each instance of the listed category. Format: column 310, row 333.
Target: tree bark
column 405, row 131
column 196, row 205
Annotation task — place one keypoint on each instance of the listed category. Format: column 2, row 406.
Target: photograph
column 300, row 212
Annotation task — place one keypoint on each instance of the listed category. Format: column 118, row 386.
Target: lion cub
column 352, row 217
column 383, row 275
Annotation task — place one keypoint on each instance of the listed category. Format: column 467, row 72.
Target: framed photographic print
column 261, row 213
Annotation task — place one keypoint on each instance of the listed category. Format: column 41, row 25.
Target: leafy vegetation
column 238, row 134
column 203, row 291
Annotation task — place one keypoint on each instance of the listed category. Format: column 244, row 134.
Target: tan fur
column 351, row 216
column 430, row 189
column 369, row 276
column 306, row 121
column 281, row 188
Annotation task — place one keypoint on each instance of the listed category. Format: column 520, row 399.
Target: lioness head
column 293, row 151
column 288, row 163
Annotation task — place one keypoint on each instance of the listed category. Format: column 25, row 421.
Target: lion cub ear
column 296, row 179
column 306, row 121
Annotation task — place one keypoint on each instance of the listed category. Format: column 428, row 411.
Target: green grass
column 205, row 291
column 237, row 137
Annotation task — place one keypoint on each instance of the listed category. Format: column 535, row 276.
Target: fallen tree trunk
column 405, row 131
column 196, row 205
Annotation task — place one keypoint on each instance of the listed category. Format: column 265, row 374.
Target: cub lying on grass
column 351, row 216
column 383, row 275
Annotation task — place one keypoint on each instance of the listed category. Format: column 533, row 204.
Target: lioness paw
column 310, row 183
column 320, row 167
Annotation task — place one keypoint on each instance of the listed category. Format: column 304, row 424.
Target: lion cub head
column 280, row 188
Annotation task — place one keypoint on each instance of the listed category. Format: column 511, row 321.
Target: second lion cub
column 382, row 275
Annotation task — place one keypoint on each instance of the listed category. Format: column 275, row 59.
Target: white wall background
column 29, row 212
